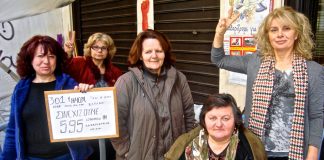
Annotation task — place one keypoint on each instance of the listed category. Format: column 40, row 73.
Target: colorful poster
column 239, row 39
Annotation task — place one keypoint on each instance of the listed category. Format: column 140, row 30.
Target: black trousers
column 110, row 151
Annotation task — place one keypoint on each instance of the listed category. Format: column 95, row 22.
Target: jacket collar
column 171, row 74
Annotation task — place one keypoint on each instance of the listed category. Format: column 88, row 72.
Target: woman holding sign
column 39, row 64
column 154, row 101
column 96, row 68
column 284, row 94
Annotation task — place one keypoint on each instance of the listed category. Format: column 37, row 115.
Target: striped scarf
column 262, row 91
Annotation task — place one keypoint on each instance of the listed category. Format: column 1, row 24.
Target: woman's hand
column 312, row 153
column 84, row 87
column 68, row 48
column 223, row 25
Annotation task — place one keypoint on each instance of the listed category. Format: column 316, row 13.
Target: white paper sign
column 73, row 115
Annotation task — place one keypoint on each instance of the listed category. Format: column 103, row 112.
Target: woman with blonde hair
column 284, row 93
column 96, row 68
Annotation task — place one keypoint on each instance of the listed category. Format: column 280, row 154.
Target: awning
column 14, row 9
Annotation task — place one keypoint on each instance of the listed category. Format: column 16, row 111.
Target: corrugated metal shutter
column 116, row 18
column 319, row 56
column 189, row 24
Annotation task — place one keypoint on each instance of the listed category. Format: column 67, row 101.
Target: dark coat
column 247, row 138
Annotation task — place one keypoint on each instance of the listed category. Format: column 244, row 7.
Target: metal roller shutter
column 319, row 56
column 189, row 24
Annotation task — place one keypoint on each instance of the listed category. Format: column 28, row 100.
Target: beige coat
column 138, row 122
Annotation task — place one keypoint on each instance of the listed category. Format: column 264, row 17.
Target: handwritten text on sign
column 73, row 115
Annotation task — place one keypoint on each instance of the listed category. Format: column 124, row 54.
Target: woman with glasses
column 96, row 68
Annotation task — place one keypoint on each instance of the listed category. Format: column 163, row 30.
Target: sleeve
column 71, row 83
column 9, row 147
column 188, row 105
column 315, row 98
column 121, row 144
column 231, row 63
column 116, row 73
column 74, row 67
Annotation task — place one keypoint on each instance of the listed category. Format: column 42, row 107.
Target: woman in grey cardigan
column 284, row 93
column 154, row 100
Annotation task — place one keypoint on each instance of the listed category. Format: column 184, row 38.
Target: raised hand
column 224, row 23
column 69, row 44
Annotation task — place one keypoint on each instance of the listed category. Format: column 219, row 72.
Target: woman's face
column 152, row 55
column 44, row 65
column 282, row 37
column 99, row 51
column 220, row 123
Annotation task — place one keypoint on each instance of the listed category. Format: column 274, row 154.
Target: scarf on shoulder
column 198, row 148
column 262, row 91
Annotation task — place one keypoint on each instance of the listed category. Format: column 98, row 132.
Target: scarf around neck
column 198, row 149
column 261, row 98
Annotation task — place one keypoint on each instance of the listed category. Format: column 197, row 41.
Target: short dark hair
column 218, row 101
column 136, row 50
column 27, row 54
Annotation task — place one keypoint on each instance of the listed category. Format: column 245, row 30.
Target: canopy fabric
column 15, row 9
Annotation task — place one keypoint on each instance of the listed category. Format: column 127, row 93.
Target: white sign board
column 73, row 115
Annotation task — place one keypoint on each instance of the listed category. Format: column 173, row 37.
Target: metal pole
column 102, row 149
column 10, row 72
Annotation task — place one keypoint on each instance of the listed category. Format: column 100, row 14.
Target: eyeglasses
column 97, row 48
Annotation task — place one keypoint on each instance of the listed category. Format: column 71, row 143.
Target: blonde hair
column 304, row 43
column 103, row 38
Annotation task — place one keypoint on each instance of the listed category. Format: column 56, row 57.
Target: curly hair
column 136, row 50
column 219, row 101
column 304, row 43
column 105, row 38
column 27, row 54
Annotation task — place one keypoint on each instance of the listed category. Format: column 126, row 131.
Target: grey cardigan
column 250, row 64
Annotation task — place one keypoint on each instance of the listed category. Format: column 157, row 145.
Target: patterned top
column 101, row 82
column 280, row 115
column 214, row 156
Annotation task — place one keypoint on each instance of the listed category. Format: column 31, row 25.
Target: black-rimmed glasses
column 97, row 48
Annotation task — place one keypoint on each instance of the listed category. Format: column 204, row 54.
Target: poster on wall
column 238, row 39
column 145, row 15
